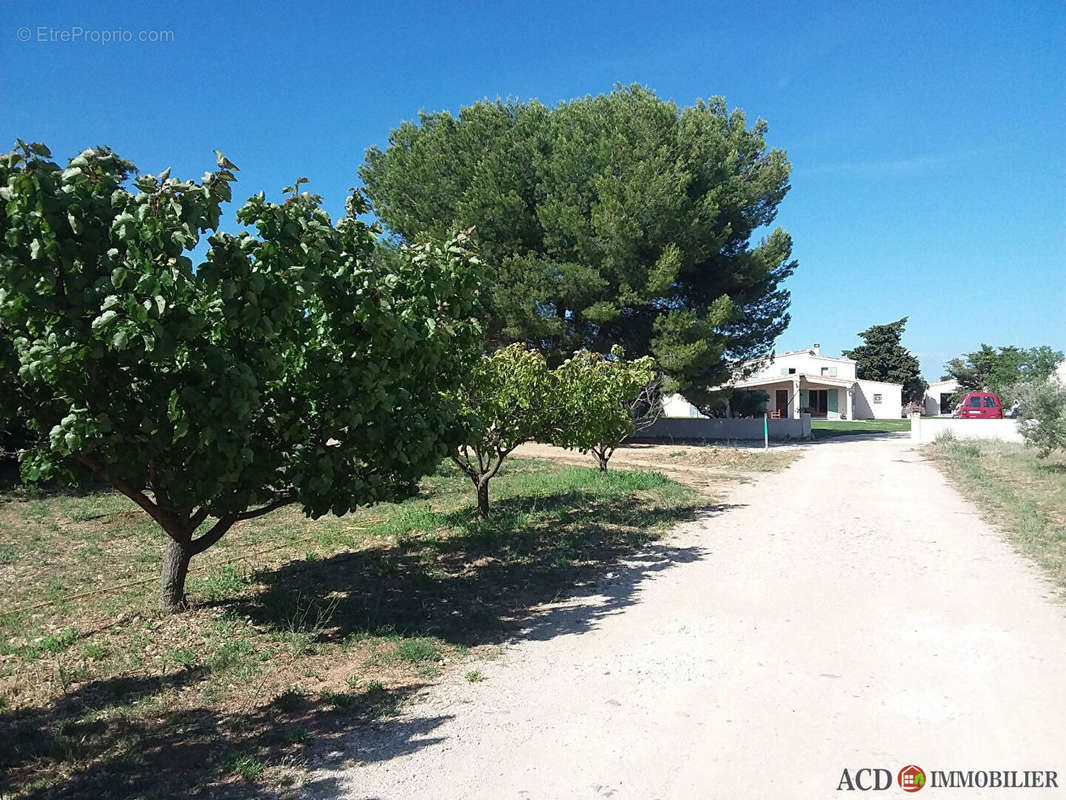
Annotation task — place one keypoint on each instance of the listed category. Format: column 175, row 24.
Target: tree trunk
column 483, row 497
column 603, row 455
column 172, row 579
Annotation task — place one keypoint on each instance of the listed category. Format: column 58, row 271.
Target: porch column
column 795, row 396
column 848, row 402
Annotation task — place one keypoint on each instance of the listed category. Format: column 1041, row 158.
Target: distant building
column 937, row 398
column 805, row 381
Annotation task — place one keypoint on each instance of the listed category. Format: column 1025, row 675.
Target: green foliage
column 292, row 365
column 748, row 402
column 999, row 370
column 883, row 358
column 505, row 401
column 243, row 765
column 620, row 219
column 1043, row 415
column 599, row 400
column 418, row 650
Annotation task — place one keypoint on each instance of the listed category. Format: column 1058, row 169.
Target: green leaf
column 105, row 319
column 181, row 429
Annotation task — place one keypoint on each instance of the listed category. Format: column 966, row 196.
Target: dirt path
column 852, row 611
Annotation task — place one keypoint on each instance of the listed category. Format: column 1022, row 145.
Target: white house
column 937, row 400
column 806, row 381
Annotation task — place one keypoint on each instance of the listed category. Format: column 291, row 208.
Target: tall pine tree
column 621, row 219
column 883, row 358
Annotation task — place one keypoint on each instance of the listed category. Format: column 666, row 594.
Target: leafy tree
column 999, row 370
column 883, row 358
column 285, row 368
column 618, row 219
column 1043, row 415
column 748, row 402
column 506, row 400
column 601, row 401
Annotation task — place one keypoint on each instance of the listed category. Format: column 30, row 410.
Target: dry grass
column 734, row 459
column 300, row 630
column 1022, row 494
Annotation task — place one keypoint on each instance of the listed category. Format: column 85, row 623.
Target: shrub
column 1042, row 415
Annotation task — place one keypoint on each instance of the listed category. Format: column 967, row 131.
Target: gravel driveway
column 850, row 612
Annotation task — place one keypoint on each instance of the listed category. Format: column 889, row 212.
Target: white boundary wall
column 703, row 428
column 927, row 429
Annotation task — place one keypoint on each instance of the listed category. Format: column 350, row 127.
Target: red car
column 979, row 405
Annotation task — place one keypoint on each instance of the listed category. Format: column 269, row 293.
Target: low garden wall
column 929, row 429
column 701, row 429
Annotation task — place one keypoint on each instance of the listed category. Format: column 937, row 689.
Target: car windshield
column 975, row 402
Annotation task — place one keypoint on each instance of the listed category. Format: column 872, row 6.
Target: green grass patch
column 417, row 651
column 1022, row 494
column 232, row 655
column 828, row 429
column 243, row 766
column 222, row 583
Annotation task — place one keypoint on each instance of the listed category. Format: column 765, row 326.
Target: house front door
column 818, row 402
column 781, row 402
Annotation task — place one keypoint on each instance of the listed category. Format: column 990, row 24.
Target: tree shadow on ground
column 487, row 582
column 827, row 437
column 542, row 566
column 189, row 753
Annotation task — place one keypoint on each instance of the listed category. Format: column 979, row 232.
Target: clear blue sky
column 926, row 137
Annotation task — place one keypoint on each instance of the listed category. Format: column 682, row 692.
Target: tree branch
column 284, row 500
column 465, row 466
column 197, row 519
column 218, row 530
column 168, row 522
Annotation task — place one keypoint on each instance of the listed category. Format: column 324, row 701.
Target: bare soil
column 850, row 611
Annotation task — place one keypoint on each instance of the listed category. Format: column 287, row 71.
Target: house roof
column 810, row 351
column 815, row 380
column 942, row 383
column 880, row 383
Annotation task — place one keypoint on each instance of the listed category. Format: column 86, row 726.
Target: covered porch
column 818, row 395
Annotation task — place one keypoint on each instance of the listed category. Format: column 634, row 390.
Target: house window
column 829, row 372
column 791, row 370
column 877, row 399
